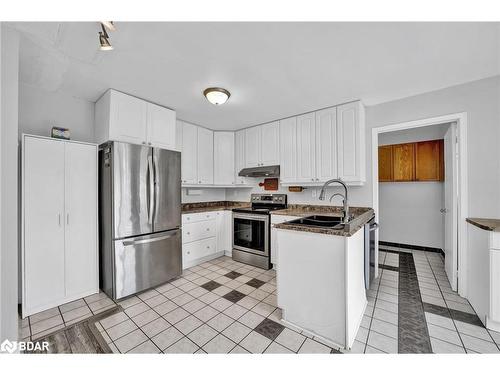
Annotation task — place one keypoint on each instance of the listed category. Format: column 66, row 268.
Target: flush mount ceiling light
column 105, row 45
column 216, row 95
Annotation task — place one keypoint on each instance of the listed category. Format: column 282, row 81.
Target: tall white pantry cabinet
column 59, row 222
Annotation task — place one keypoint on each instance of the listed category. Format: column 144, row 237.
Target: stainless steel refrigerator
column 139, row 217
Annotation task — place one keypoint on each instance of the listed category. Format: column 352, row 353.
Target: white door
column 43, row 181
column 270, row 144
column 128, row 121
column 239, row 149
column 205, row 156
column 161, row 127
column 288, row 150
column 348, row 143
column 189, row 159
column 224, row 158
column 450, row 202
column 252, row 147
column 306, row 146
column 81, row 220
column 326, row 144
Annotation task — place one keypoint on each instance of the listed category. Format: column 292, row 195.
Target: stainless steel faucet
column 346, row 204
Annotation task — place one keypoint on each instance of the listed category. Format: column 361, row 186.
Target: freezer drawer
column 146, row 261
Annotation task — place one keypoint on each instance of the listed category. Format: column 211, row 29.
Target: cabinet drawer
column 198, row 230
column 198, row 249
column 199, row 216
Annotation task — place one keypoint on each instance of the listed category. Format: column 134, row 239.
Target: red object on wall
column 270, row 184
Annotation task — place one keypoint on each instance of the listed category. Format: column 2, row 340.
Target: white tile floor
column 183, row 317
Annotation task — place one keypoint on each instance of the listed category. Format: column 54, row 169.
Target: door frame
column 462, row 202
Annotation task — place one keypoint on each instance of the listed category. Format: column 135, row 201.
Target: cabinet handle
column 67, row 218
column 59, row 219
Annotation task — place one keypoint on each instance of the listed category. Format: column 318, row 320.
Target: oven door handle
column 264, row 218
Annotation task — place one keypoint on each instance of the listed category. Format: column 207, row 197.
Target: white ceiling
column 273, row 70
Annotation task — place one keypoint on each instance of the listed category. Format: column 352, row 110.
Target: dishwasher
column 370, row 228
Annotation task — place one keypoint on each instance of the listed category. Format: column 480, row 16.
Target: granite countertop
column 189, row 208
column 492, row 225
column 361, row 215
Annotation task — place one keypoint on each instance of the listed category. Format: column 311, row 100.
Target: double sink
column 320, row 221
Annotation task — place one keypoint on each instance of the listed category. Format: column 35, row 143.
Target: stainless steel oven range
column 252, row 229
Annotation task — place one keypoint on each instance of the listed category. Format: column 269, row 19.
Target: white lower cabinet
column 277, row 219
column 59, row 222
column 205, row 236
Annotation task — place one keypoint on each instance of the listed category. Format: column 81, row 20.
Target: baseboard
column 412, row 247
column 492, row 324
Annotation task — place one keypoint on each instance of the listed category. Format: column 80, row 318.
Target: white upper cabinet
column 306, row 148
column 224, row 158
column 270, row 146
column 288, row 147
column 161, row 127
column 189, row 156
column 205, row 156
column 262, row 145
column 326, row 144
column 252, row 147
column 125, row 118
column 239, row 160
column 351, row 142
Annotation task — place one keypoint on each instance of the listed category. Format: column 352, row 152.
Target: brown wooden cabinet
column 404, row 162
column 429, row 161
column 418, row 161
column 385, row 167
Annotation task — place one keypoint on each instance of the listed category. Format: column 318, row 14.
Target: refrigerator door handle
column 148, row 240
column 156, row 186
column 151, row 189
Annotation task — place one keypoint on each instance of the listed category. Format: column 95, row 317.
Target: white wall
column 9, row 78
column 40, row 110
column 409, row 211
column 205, row 195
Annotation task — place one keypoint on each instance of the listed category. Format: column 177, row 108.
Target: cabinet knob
column 208, row 247
column 199, row 182
column 188, row 233
column 189, row 252
column 208, row 229
column 312, row 179
column 143, row 143
column 188, row 218
column 149, row 143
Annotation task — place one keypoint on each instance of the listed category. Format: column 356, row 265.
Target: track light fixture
column 105, row 45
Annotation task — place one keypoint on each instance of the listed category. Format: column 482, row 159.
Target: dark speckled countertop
column 492, row 225
column 190, row 208
column 361, row 215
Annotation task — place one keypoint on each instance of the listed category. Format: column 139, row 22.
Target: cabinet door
column 306, row 148
column 205, row 156
column 161, row 127
column 81, row 219
column 224, row 158
column 239, row 149
column 43, row 208
column 350, row 132
column 385, row 164
column 128, row 118
column 429, row 160
column 252, row 147
column 189, row 159
column 288, row 150
column 224, row 231
column 270, row 144
column 326, row 144
column 404, row 162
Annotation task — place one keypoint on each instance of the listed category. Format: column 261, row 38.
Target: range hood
column 269, row 171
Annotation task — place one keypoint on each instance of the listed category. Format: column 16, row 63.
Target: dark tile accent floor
column 269, row 329
column 256, row 283
column 211, row 285
column 234, row 296
column 454, row 314
column 387, row 267
column 413, row 335
column 233, row 274
column 412, row 247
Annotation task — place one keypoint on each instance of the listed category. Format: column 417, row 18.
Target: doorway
column 454, row 208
